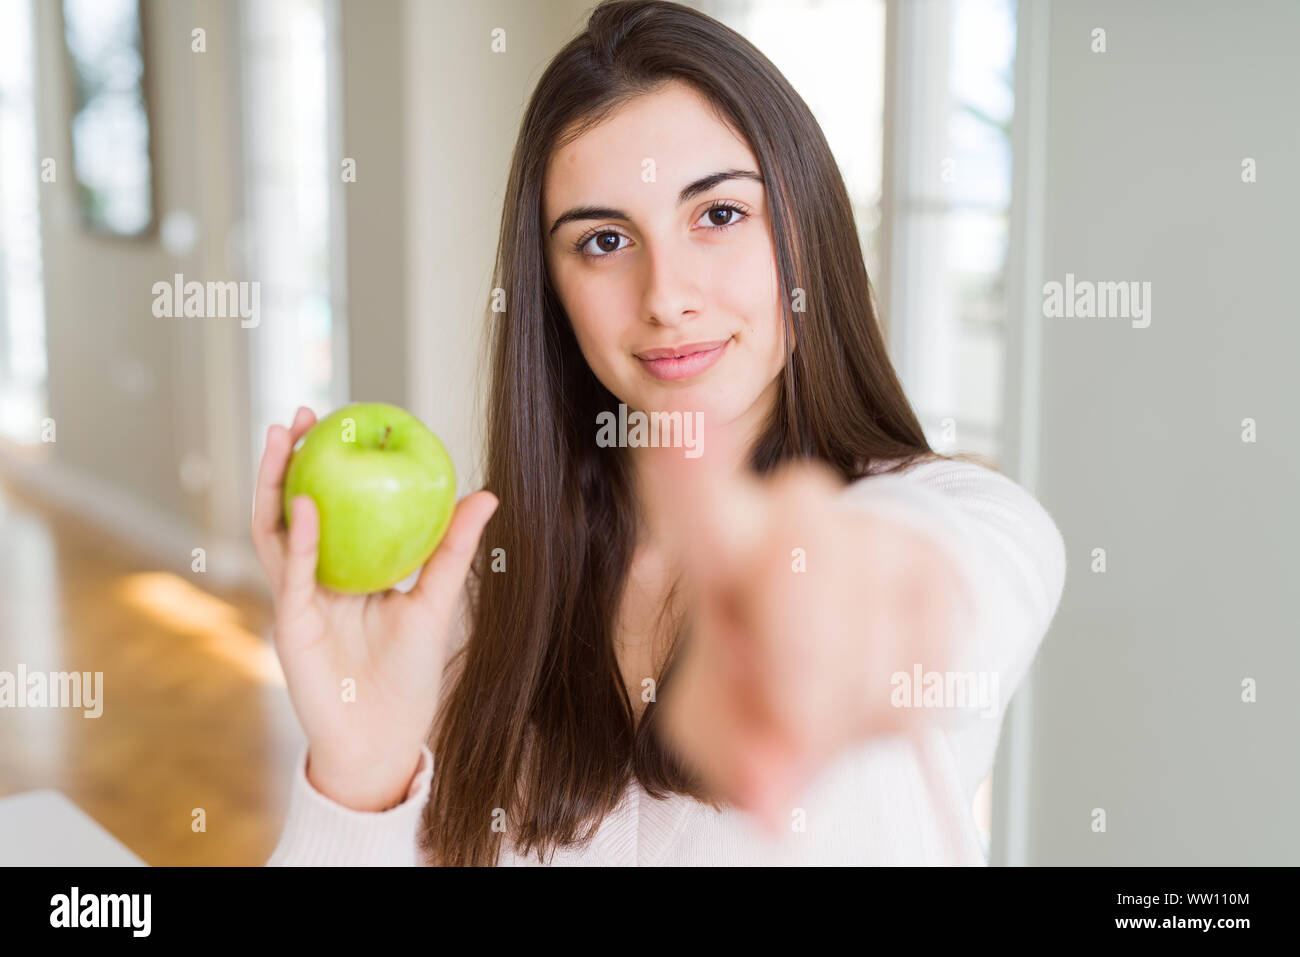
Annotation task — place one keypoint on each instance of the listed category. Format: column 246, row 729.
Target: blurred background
column 351, row 159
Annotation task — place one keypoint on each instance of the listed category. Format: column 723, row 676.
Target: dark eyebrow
column 691, row 190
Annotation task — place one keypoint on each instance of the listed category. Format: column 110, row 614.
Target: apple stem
column 384, row 440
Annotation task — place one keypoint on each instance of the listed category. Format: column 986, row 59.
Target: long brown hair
column 537, row 732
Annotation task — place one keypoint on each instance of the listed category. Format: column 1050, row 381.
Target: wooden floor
column 195, row 714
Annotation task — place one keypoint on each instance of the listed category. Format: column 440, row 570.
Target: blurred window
column 110, row 121
column 292, row 227
column 23, row 399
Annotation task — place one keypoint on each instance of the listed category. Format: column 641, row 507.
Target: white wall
column 1137, row 699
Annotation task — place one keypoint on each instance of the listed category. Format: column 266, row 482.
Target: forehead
column 675, row 127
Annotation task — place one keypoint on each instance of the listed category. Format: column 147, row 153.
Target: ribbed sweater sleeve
column 1011, row 556
column 321, row 833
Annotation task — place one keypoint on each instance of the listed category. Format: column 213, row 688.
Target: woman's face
column 664, row 263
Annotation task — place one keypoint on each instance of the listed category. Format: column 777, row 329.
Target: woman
column 740, row 652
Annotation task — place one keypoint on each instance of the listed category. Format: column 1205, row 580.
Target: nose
column 672, row 287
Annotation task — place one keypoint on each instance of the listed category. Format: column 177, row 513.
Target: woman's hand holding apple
column 363, row 671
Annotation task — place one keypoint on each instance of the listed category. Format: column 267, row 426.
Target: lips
column 686, row 349
column 684, row 361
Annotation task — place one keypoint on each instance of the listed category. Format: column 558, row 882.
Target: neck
column 728, row 446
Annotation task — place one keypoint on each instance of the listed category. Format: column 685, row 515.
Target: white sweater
column 894, row 800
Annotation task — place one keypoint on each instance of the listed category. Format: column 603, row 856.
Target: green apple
column 384, row 489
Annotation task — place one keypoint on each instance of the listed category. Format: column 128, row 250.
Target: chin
column 717, row 409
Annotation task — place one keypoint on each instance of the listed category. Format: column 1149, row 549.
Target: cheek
column 581, row 301
column 596, row 312
column 748, row 284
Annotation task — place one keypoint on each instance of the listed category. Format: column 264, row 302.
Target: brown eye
column 724, row 215
column 605, row 241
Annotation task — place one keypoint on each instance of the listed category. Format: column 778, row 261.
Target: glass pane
column 289, row 176
column 833, row 53
column 110, row 122
column 23, row 403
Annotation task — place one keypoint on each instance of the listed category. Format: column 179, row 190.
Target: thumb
column 444, row 573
